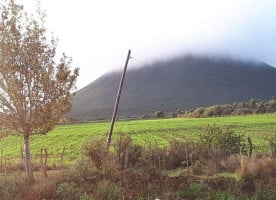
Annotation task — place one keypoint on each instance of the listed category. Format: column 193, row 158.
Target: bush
column 223, row 141
column 241, row 111
column 194, row 191
column 197, row 168
column 218, row 195
column 67, row 191
column 174, row 114
column 83, row 169
column 199, row 112
column 231, row 163
column 5, row 132
column 86, row 197
column 271, row 140
column 121, row 146
column 265, row 193
column 128, row 154
column 96, row 150
column 159, row 114
column 258, row 168
column 144, row 116
column 11, row 189
column 135, row 153
column 216, row 110
column 153, row 157
column 109, row 191
column 179, row 154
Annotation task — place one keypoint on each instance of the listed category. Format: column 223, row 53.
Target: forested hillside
column 180, row 83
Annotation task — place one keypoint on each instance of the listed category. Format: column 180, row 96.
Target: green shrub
column 86, row 197
column 221, row 195
column 67, row 191
column 127, row 153
column 10, row 190
column 144, row 197
column 121, row 146
column 135, row 153
column 194, row 191
column 265, row 193
column 154, row 156
column 109, row 191
column 96, row 150
column 83, row 169
column 227, row 142
column 271, row 140
column 179, row 154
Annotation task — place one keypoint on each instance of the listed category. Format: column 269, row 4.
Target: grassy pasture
column 145, row 132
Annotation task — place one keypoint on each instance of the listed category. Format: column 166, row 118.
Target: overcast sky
column 98, row 33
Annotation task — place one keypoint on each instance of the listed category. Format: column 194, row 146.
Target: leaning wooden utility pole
column 117, row 100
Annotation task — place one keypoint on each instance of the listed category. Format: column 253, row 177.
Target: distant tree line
column 254, row 106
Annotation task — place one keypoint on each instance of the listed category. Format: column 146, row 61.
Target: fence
column 43, row 161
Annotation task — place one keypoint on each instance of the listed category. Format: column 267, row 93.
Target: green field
column 158, row 131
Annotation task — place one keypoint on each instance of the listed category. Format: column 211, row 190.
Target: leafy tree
column 35, row 90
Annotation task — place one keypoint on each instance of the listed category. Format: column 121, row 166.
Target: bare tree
column 35, row 90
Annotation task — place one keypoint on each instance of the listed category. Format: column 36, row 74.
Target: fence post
column 22, row 156
column 41, row 159
column 45, row 163
column 1, row 158
column 62, row 160
column 5, row 169
column 250, row 147
column 187, row 157
column 126, row 159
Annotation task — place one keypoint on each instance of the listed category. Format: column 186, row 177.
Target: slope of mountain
column 180, row 83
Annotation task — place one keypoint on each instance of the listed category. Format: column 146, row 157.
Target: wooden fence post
column 187, row 157
column 5, row 169
column 126, row 159
column 41, row 159
column 1, row 158
column 62, row 160
column 250, row 147
column 45, row 163
column 22, row 156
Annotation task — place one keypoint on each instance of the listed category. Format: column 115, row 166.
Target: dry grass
column 14, row 186
column 259, row 168
column 231, row 163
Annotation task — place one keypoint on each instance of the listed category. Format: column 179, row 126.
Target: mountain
column 180, row 83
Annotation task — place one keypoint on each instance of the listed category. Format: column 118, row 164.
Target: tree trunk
column 250, row 147
column 28, row 160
